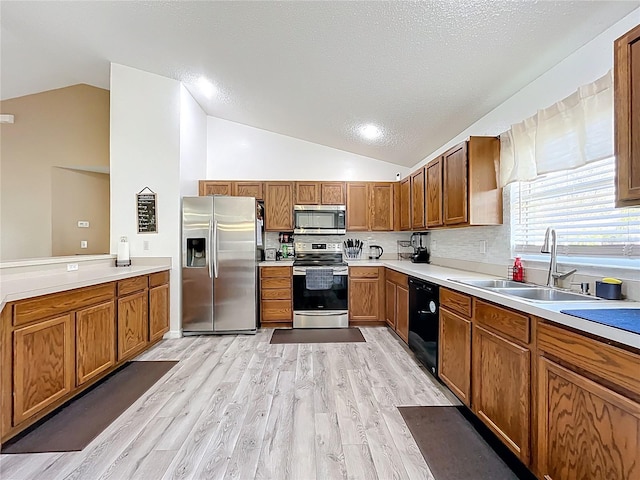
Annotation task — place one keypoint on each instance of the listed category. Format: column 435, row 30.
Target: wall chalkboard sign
column 147, row 211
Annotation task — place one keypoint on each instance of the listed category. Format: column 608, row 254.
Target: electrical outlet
column 145, row 244
column 72, row 267
column 83, row 224
column 433, row 244
column 84, row 244
column 483, row 246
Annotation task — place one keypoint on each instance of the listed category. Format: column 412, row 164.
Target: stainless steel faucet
column 550, row 246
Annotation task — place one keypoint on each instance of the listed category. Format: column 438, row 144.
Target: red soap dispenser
column 518, row 271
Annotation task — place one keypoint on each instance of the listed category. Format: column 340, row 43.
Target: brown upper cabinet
column 370, row 206
column 278, row 204
column 470, row 190
column 320, row 193
column 433, row 174
column 456, row 200
column 307, row 193
column 381, row 206
column 417, row 200
column 332, row 193
column 405, row 204
column 238, row 189
column 248, row 189
column 357, row 208
column 627, row 118
column 207, row 187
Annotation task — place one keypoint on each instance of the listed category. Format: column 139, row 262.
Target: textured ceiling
column 423, row 71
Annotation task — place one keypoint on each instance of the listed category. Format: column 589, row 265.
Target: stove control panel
column 318, row 247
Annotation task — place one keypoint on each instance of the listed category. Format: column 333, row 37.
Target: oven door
column 324, row 307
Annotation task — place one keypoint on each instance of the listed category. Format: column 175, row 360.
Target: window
column 579, row 204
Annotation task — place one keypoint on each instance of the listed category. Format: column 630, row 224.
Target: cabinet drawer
column 276, row 294
column 268, row 272
column 608, row 362
column 131, row 285
column 58, row 303
column 458, row 302
column 276, row 311
column 276, row 283
column 159, row 278
column 363, row 272
column 397, row 278
column 512, row 324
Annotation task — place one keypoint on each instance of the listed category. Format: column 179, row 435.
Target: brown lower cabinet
column 366, row 294
column 454, row 353
column 132, row 324
column 276, row 303
column 95, row 348
column 397, row 303
column 43, row 367
column 55, row 346
column 158, row 305
column 565, row 403
column 588, row 407
column 501, row 388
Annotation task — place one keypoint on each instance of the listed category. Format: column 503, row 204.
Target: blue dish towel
column 319, row 278
column 623, row 318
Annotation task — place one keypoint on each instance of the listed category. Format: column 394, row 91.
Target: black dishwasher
column 424, row 299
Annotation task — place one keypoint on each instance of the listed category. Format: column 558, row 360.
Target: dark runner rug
column 317, row 335
column 454, row 449
column 77, row 423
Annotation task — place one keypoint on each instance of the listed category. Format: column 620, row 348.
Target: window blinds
column 579, row 204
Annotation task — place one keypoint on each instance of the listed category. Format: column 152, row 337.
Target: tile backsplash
column 387, row 240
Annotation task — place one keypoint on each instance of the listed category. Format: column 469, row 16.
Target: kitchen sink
column 494, row 283
column 527, row 291
column 539, row 294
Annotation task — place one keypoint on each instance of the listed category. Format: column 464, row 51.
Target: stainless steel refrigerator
column 219, row 265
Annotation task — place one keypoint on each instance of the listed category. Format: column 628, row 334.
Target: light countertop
column 446, row 277
column 34, row 283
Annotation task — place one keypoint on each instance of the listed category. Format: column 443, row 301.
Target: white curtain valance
column 571, row 133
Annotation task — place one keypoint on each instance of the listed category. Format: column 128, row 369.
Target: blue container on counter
column 610, row 291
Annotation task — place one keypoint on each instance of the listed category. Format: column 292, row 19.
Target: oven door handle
column 322, row 314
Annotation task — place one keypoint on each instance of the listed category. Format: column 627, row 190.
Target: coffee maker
column 420, row 253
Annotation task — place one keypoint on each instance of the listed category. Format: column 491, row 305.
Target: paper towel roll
column 123, row 251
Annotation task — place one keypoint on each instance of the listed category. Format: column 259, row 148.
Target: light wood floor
column 236, row 407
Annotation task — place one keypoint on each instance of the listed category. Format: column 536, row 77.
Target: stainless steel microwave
column 319, row 219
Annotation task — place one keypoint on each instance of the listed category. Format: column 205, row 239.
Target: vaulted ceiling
column 421, row 71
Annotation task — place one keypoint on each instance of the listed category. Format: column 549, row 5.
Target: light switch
column 84, row 244
column 83, row 224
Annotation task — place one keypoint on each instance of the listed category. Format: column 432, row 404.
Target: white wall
column 238, row 152
column 193, row 143
column 145, row 152
column 464, row 247
column 583, row 66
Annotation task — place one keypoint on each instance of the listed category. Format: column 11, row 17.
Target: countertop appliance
column 375, row 252
column 319, row 219
column 420, row 251
column 320, row 286
column 220, row 255
column 424, row 306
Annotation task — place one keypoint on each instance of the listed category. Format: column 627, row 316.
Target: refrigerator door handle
column 216, row 249
column 209, row 266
